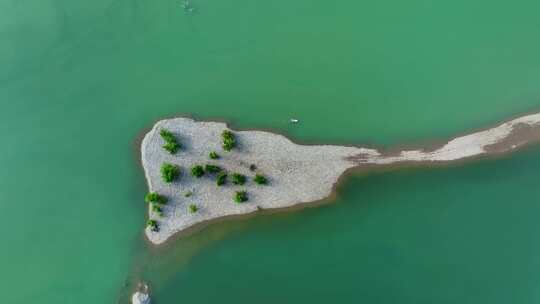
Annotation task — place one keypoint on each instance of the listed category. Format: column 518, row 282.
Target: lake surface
column 80, row 82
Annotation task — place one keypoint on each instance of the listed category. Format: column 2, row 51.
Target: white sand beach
column 296, row 173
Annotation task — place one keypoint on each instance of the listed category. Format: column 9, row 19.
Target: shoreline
column 393, row 148
column 399, row 146
column 375, row 156
column 330, row 199
column 247, row 208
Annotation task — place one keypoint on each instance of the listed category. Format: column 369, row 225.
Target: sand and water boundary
column 495, row 141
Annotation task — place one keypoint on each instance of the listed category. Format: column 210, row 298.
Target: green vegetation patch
column 221, row 178
column 171, row 142
column 157, row 209
column 171, row 147
column 153, row 225
column 167, row 135
column 193, row 208
column 213, row 155
column 169, row 172
column 260, row 179
column 229, row 141
column 188, row 194
column 238, row 179
column 212, row 168
column 154, row 197
column 240, row 196
column 197, row 171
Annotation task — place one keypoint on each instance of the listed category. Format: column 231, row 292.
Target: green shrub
column 193, row 208
column 238, row 179
column 153, row 225
column 212, row 169
column 169, row 172
column 171, row 147
column 260, row 179
column 167, row 135
column 171, row 143
column 252, row 167
column 153, row 197
column 197, row 171
column 226, row 134
column 240, row 196
column 221, row 178
column 213, row 155
column 157, row 209
column 229, row 141
column 188, row 194
column 228, row 145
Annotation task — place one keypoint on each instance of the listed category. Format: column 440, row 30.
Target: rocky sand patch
column 293, row 173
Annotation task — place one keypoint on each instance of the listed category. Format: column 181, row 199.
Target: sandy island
column 296, row 173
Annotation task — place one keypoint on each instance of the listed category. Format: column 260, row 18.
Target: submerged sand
column 297, row 173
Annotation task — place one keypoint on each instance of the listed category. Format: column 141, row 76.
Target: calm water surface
column 80, row 81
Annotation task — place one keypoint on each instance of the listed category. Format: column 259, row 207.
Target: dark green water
column 80, row 81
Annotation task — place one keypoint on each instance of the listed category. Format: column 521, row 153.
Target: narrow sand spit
column 297, row 173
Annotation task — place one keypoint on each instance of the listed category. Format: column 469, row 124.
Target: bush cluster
column 153, row 225
column 238, row 179
column 260, row 179
column 221, row 178
column 167, row 135
column 154, row 197
column 213, row 155
column 171, row 147
column 157, row 209
column 240, row 196
column 197, row 171
column 229, row 141
column 171, row 143
column 169, row 172
column 193, row 208
column 212, row 168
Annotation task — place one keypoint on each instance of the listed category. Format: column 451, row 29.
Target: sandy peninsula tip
column 199, row 171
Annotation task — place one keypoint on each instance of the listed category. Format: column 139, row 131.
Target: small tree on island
column 212, row 168
column 240, row 197
column 171, row 147
column 154, row 197
column 157, row 209
column 169, row 172
column 153, row 225
column 238, row 179
column 197, row 171
column 167, row 135
column 229, row 141
column 221, row 178
column 213, row 155
column 171, row 143
column 260, row 179
column 193, row 208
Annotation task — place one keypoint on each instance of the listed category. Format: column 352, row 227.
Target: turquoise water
column 81, row 81
column 459, row 235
